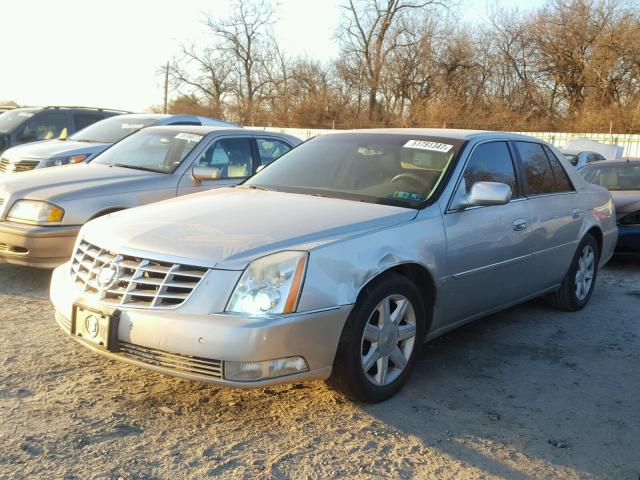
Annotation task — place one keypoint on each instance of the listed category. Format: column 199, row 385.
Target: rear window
column 112, row 129
column 614, row 177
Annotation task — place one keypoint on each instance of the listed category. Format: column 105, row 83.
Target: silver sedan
column 339, row 260
column 41, row 211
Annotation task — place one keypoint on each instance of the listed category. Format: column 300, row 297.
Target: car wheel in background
column 577, row 286
column 381, row 340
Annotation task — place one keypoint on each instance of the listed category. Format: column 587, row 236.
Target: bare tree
column 244, row 37
column 211, row 78
column 370, row 32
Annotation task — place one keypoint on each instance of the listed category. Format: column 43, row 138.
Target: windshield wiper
column 146, row 169
column 255, row 187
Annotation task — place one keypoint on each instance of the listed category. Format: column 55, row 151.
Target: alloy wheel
column 584, row 273
column 388, row 340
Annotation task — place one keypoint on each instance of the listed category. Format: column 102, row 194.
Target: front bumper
column 33, row 246
column 196, row 346
column 628, row 239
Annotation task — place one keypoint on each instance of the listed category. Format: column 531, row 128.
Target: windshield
column 382, row 168
column 112, row 129
column 614, row 177
column 153, row 150
column 572, row 158
column 13, row 118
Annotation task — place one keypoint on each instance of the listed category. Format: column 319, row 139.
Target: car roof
column 621, row 161
column 205, row 129
column 460, row 134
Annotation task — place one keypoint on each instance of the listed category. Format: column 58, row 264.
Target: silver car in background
column 82, row 146
column 337, row 261
column 41, row 211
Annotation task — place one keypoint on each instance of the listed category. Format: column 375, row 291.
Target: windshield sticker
column 25, row 114
column 189, row 137
column 416, row 197
column 132, row 126
column 430, row 146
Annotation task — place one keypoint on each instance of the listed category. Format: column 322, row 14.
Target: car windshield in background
column 111, row 130
column 614, row 177
column 382, row 168
column 155, row 151
column 11, row 119
column 571, row 158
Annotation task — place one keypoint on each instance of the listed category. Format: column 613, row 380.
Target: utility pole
column 166, row 88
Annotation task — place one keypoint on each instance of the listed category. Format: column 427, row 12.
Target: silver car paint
column 345, row 255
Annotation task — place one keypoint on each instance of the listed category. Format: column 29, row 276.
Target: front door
column 488, row 248
column 232, row 156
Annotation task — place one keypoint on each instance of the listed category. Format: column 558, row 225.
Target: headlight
column 56, row 162
column 34, row 211
column 270, row 285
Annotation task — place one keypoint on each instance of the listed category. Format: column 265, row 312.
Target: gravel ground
column 527, row 393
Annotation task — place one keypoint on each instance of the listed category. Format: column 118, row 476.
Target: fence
column 630, row 142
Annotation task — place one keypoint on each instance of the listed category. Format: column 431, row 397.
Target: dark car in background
column 622, row 179
column 89, row 142
column 30, row 124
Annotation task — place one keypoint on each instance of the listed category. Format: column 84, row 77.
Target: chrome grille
column 135, row 282
column 21, row 166
column 174, row 361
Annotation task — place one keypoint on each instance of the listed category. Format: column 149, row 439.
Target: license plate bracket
column 97, row 327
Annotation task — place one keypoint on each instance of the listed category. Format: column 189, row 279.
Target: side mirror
column 205, row 173
column 487, row 193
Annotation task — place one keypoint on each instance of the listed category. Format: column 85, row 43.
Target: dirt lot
column 530, row 392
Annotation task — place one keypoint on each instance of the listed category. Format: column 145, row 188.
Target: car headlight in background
column 56, row 162
column 270, row 285
column 35, row 211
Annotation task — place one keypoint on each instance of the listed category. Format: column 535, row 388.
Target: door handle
column 519, row 225
column 576, row 213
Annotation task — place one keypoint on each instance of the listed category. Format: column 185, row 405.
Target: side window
column 83, row 120
column 231, row 155
column 45, row 127
column 270, row 149
column 562, row 179
column 537, row 169
column 491, row 162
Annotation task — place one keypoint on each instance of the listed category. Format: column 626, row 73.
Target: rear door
column 488, row 248
column 557, row 214
column 232, row 155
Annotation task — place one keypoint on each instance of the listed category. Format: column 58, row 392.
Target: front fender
column 338, row 272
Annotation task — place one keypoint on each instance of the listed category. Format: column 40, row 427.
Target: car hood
column 52, row 149
column 227, row 228
column 70, row 182
column 626, row 202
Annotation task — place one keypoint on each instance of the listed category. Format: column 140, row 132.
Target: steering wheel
column 412, row 177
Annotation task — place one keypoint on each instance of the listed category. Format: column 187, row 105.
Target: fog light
column 254, row 371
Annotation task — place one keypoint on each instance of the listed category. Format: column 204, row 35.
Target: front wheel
column 381, row 340
column 577, row 286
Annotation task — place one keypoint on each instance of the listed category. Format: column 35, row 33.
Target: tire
column 367, row 340
column 577, row 287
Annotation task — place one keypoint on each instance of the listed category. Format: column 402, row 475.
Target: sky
column 109, row 53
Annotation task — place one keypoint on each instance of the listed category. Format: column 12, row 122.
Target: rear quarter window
column 537, row 169
column 562, row 179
